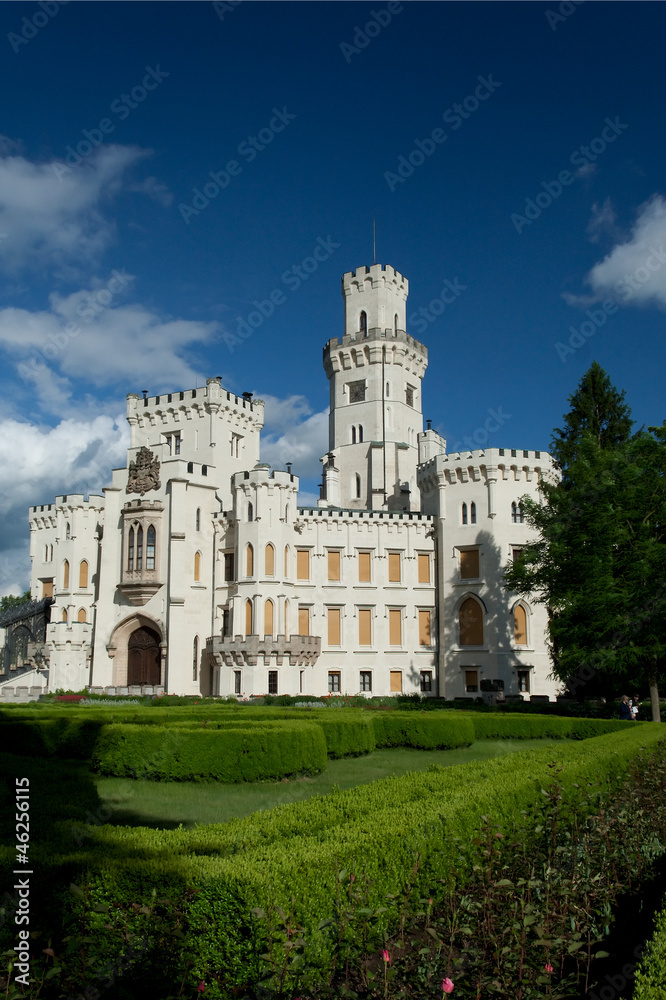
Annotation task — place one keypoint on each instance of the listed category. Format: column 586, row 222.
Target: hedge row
column 651, row 972
column 443, row 731
column 226, row 754
column 547, row 727
column 296, row 852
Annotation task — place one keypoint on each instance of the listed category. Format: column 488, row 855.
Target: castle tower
column 375, row 374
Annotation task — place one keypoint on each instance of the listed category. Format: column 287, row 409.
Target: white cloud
column 635, row 270
column 293, row 433
column 81, row 337
column 50, row 212
column 603, row 222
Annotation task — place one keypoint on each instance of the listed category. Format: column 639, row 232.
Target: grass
column 165, row 805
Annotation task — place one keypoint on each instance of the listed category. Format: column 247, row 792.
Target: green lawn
column 167, row 804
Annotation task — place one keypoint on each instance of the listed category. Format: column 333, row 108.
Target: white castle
column 198, row 573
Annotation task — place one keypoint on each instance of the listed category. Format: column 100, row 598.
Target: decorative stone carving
column 144, row 472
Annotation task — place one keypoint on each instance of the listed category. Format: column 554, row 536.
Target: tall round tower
column 375, row 374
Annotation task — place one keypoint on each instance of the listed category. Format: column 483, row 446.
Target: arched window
column 250, row 512
column 464, row 513
column 268, row 618
column 65, row 575
column 286, row 616
column 50, row 553
column 195, row 657
column 130, row 550
column 286, row 561
column 517, row 513
column 472, row 512
column 83, row 574
column 357, row 486
column 470, row 620
column 248, row 617
column 197, row 520
column 197, row 567
column 249, row 561
column 139, row 549
column 64, row 615
column 395, row 324
column 363, row 323
column 82, row 617
column 353, row 435
column 519, row 625
column 46, row 553
column 150, row 548
column 286, row 513
column 269, row 560
column 68, row 530
column 360, row 433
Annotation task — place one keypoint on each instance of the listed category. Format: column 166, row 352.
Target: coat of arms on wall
column 144, row 472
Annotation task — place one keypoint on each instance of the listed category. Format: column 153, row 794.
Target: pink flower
column 386, row 956
column 201, row 987
column 548, row 967
column 447, row 985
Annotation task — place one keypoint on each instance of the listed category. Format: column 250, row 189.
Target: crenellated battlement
column 190, row 404
column 378, row 274
column 69, row 501
column 263, row 475
column 496, row 464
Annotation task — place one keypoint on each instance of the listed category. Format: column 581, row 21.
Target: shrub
column 443, row 730
column 227, row 753
column 650, row 975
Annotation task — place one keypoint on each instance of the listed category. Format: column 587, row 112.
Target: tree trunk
column 654, row 698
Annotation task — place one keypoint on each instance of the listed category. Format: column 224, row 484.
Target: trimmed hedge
column 651, row 972
column 296, row 852
column 66, row 736
column 227, row 754
column 443, row 731
column 547, row 727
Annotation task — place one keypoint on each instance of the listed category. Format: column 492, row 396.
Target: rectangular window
column 300, row 682
column 229, row 569
column 226, row 622
column 471, row 681
column 236, row 445
column 395, row 627
column 424, row 567
column 516, row 554
column 302, row 564
column 333, row 565
column 272, row 682
column 394, row 567
column 334, row 682
column 303, row 620
column 524, row 681
column 425, row 637
column 333, row 626
column 366, row 680
column 364, row 567
column 176, row 444
column 47, row 588
column 396, row 681
column 364, row 627
column 409, row 395
column 469, row 564
column 426, row 680
column 237, row 682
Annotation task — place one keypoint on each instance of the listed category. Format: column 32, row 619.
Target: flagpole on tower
column 374, row 251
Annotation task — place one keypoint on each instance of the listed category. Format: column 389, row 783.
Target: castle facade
column 197, row 572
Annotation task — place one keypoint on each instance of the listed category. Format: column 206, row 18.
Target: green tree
column 13, row 601
column 600, row 562
column 596, row 407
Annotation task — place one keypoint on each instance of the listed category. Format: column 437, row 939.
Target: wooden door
column 143, row 657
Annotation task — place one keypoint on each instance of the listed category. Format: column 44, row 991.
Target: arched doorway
column 143, row 657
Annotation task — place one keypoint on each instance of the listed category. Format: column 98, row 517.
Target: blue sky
column 541, row 198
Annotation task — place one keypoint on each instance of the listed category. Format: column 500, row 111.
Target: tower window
column 68, row 531
column 357, row 486
column 516, row 513
column 150, row 548
column 197, row 520
column 130, row 551
column 353, row 435
column 363, row 323
column 139, row 549
column 250, row 512
column 360, row 433
column 472, row 511
column 395, row 324
column 409, row 395
column 464, row 513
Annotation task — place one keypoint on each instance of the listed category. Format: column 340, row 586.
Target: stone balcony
column 239, row 651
